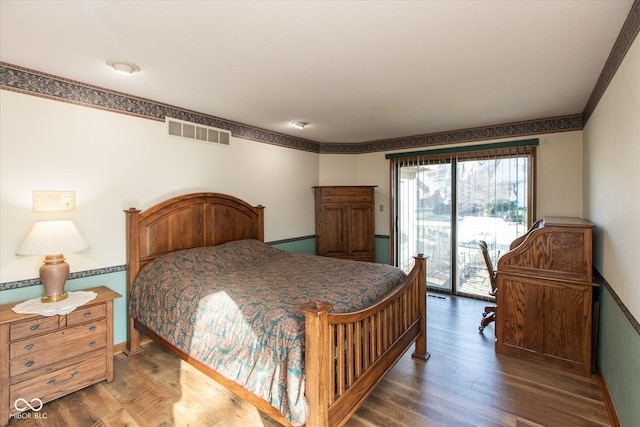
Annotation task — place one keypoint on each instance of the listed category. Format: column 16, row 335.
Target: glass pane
column 492, row 199
column 424, row 221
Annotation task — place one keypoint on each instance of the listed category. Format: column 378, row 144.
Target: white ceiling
column 355, row 70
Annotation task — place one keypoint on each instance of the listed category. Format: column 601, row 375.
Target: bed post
column 260, row 223
column 133, row 267
column 421, row 342
column 317, row 357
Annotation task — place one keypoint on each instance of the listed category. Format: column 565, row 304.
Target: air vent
column 196, row 132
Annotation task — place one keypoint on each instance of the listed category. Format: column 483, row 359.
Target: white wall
column 559, row 176
column 612, row 180
column 114, row 161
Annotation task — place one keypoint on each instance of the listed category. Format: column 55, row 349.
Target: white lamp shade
column 53, row 237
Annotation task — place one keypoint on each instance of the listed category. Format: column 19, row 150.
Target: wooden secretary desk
column 545, row 295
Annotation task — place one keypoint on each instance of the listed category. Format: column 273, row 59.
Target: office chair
column 489, row 314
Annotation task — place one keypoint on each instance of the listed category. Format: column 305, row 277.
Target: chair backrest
column 488, row 263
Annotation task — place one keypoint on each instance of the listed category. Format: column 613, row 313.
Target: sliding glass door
column 424, row 219
column 492, row 195
column 445, row 203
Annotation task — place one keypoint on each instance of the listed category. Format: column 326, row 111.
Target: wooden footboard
column 348, row 354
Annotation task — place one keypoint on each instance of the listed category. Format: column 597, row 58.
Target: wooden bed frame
column 346, row 355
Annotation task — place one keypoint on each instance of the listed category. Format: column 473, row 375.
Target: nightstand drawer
column 61, row 382
column 33, row 327
column 34, row 345
column 87, row 314
column 32, row 362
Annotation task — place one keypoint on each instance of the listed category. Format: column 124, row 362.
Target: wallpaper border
column 23, row 80
column 75, row 275
column 598, row 278
column 31, row 82
column 625, row 39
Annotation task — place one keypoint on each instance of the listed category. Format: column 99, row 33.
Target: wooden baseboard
column 608, row 403
column 119, row 348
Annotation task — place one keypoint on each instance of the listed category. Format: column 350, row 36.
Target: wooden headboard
column 188, row 221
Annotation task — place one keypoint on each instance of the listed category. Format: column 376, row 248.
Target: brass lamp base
column 54, row 298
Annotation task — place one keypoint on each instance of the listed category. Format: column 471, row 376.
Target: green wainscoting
column 383, row 250
column 619, row 358
column 302, row 246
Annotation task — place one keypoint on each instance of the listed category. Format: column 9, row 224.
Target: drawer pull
column 28, row 346
column 93, row 328
column 54, row 382
column 30, row 363
column 35, row 327
column 92, row 344
column 87, row 314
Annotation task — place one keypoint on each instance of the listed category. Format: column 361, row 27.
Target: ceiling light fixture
column 299, row 125
column 123, row 67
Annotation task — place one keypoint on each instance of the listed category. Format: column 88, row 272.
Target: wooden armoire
column 345, row 222
column 545, row 295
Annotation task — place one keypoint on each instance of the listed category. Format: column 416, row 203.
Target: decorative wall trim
column 602, row 281
column 625, row 39
column 31, row 82
column 23, row 80
column 293, row 239
column 517, row 129
column 77, row 275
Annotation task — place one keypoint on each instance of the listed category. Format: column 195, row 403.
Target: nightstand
column 48, row 357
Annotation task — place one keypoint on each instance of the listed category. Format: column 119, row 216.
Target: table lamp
column 52, row 238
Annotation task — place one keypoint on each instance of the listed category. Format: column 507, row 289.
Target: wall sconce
column 52, row 238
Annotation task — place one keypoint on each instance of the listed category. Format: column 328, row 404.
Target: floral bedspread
column 236, row 308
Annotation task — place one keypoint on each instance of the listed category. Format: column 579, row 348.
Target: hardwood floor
column 464, row 383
